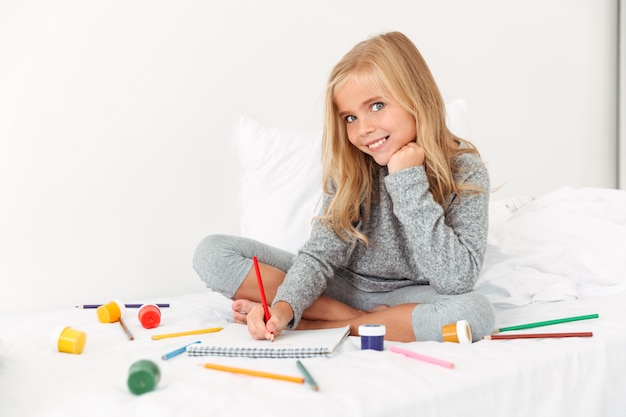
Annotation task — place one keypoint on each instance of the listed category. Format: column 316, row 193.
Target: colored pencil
column 86, row 306
column 177, row 352
column 186, row 333
column 250, row 372
column 419, row 356
column 262, row 291
column 307, row 376
column 536, row 335
column 128, row 333
column 548, row 322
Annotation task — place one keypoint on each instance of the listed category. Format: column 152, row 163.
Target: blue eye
column 350, row 119
column 377, row 106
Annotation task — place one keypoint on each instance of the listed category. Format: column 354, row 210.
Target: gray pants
column 223, row 262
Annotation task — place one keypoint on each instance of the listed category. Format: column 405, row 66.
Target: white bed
column 550, row 256
column 538, row 377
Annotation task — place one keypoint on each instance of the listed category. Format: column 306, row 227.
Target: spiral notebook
column 235, row 340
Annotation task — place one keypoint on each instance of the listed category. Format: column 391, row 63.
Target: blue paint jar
column 372, row 336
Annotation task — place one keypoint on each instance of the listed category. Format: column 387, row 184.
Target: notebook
column 235, row 340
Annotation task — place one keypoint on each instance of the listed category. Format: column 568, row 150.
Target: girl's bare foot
column 241, row 308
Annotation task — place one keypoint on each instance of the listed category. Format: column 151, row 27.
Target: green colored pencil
column 548, row 322
column 307, row 376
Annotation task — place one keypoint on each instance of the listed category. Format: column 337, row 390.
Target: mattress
column 578, row 376
column 555, row 256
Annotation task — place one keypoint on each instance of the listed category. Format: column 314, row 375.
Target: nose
column 365, row 126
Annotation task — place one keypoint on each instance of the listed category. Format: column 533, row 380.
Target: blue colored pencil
column 307, row 376
column 177, row 352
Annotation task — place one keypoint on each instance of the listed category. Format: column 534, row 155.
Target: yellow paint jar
column 69, row 340
column 111, row 311
column 459, row 332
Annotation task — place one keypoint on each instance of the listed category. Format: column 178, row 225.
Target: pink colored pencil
column 419, row 356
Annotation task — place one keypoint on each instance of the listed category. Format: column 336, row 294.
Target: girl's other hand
column 410, row 155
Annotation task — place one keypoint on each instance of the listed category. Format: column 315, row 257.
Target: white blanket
column 562, row 245
column 539, row 377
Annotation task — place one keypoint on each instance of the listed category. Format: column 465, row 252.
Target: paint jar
column 143, row 376
column 458, row 332
column 149, row 316
column 69, row 340
column 111, row 311
column 372, row 336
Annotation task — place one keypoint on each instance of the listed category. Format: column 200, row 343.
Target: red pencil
column 537, row 335
column 262, row 291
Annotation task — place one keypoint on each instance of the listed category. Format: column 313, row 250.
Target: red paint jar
column 149, row 316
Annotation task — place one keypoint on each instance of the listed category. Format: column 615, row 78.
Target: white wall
column 116, row 118
column 622, row 96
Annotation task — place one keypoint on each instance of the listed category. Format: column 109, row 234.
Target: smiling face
column 375, row 124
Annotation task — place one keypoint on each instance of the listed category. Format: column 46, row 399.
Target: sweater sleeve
column 448, row 246
column 314, row 266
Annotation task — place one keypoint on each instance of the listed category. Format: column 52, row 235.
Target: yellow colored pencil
column 187, row 333
column 298, row 380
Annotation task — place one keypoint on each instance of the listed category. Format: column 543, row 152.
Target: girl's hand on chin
column 410, row 155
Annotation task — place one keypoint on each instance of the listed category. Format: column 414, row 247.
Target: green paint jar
column 143, row 376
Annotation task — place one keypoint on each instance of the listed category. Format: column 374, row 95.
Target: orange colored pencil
column 536, row 335
column 250, row 372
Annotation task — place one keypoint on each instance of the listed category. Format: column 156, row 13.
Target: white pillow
column 282, row 183
column 282, row 178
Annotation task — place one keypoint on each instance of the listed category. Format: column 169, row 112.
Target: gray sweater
column 413, row 241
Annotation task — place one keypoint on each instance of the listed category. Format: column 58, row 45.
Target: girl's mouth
column 376, row 145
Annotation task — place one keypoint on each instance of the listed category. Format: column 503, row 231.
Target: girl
column 402, row 232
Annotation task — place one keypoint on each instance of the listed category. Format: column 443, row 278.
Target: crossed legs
column 325, row 312
column 415, row 312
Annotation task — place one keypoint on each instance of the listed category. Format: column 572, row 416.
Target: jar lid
column 372, row 330
column 463, row 332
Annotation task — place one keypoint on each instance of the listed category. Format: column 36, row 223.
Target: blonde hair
column 388, row 62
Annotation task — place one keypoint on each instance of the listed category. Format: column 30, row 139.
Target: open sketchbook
column 235, row 340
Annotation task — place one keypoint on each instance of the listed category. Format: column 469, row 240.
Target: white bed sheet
column 539, row 377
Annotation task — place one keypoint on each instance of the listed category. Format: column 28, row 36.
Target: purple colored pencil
column 126, row 305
